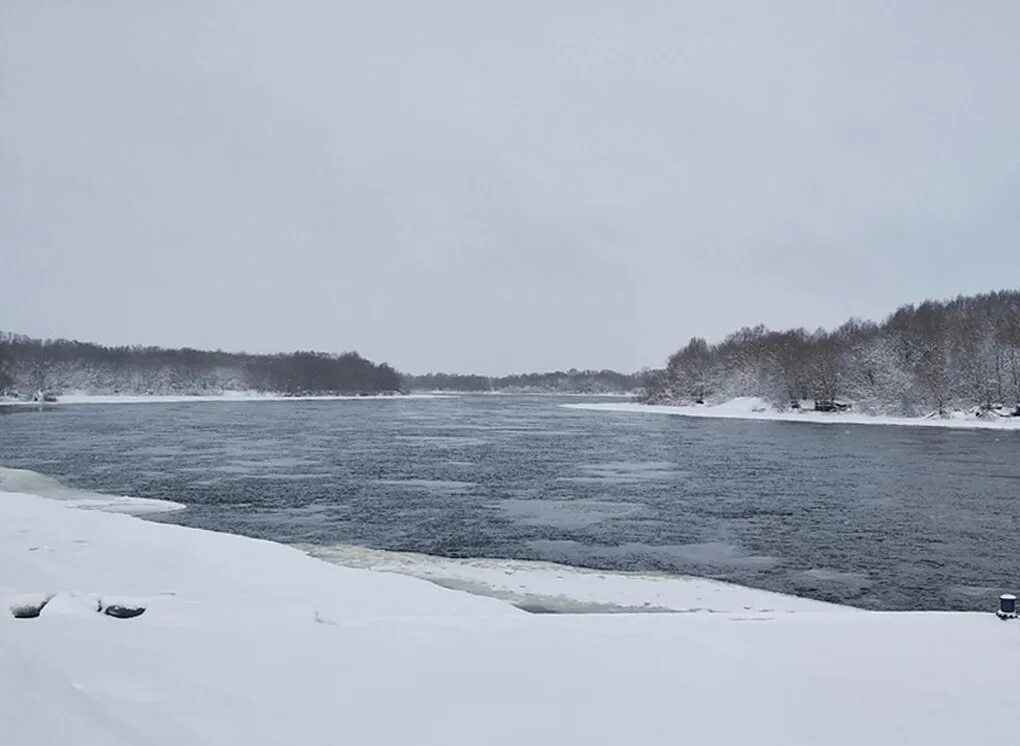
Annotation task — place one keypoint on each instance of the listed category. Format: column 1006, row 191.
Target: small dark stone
column 26, row 612
column 29, row 610
column 124, row 612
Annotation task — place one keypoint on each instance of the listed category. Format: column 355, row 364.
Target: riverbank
column 251, row 642
column 751, row 408
column 226, row 396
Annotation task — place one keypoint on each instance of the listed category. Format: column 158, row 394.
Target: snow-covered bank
column 33, row 483
column 549, row 587
column 226, row 396
column 751, row 408
column 249, row 642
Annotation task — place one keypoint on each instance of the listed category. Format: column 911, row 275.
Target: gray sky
column 498, row 187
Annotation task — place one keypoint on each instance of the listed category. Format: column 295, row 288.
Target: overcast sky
column 498, row 187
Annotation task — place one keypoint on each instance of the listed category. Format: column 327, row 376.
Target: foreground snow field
column 250, row 642
column 752, row 408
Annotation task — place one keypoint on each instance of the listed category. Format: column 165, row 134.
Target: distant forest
column 571, row 381
column 28, row 366
column 31, row 365
column 929, row 358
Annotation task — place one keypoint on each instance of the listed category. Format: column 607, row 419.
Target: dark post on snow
column 1007, row 606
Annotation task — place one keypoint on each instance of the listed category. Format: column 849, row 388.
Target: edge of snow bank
column 535, row 586
column 33, row 483
column 227, row 396
column 547, row 587
column 751, row 408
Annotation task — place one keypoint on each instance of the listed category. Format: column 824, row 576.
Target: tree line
column 31, row 365
column 928, row 358
column 570, row 381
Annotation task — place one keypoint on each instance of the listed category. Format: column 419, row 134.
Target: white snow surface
column 249, row 642
column 753, row 408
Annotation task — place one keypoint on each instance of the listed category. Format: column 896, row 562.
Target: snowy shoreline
column 550, row 587
column 227, row 396
column 33, row 483
column 256, row 396
column 750, row 408
column 247, row 641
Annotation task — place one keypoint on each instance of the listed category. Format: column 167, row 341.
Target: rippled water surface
column 881, row 517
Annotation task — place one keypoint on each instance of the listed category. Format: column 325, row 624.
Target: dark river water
column 874, row 516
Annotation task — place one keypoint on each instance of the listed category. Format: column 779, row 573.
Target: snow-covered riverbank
column 750, row 408
column 40, row 485
column 250, row 642
column 226, row 396
column 555, row 588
